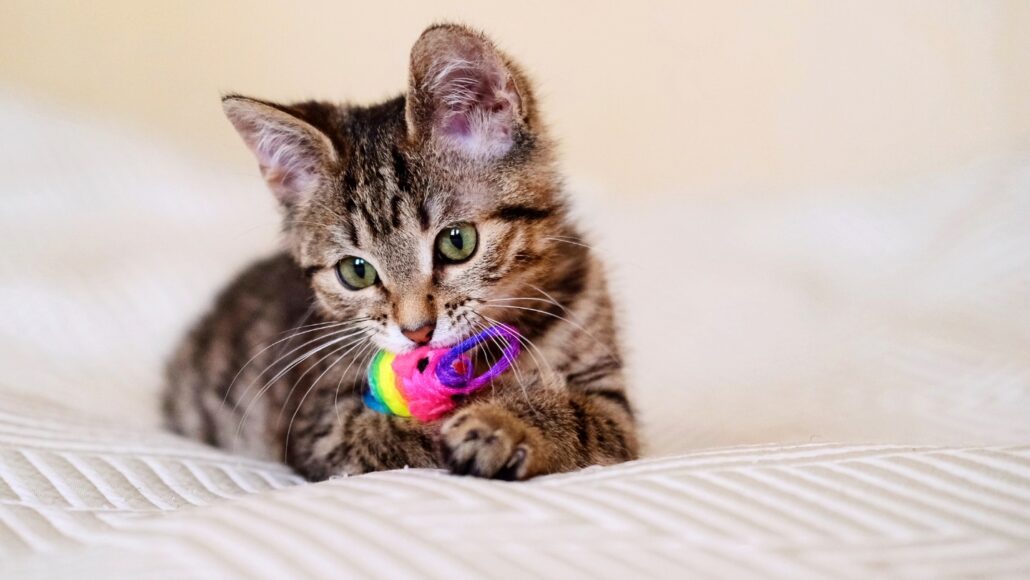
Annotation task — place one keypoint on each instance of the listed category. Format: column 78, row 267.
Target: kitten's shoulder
column 264, row 298
column 260, row 302
column 277, row 278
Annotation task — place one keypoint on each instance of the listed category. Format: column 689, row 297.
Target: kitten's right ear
column 293, row 155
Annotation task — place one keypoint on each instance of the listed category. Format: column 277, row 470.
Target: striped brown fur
column 276, row 368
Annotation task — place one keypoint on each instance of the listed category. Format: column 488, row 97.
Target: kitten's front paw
column 487, row 441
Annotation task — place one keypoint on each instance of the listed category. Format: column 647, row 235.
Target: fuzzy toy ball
column 422, row 383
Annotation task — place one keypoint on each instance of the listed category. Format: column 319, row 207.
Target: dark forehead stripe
column 352, row 234
column 371, row 216
column 401, row 172
column 423, row 215
column 511, row 213
column 395, row 211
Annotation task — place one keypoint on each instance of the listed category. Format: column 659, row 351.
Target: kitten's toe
column 515, row 468
column 486, row 441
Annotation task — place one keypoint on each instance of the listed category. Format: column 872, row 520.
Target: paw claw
column 485, row 441
column 510, row 471
column 462, row 467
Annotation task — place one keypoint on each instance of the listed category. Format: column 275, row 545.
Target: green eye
column 356, row 273
column 457, row 243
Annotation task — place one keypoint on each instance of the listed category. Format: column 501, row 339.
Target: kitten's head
column 415, row 213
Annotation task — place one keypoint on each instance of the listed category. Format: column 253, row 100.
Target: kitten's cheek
column 328, row 301
column 335, row 303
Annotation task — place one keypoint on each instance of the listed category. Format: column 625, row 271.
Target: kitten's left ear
column 464, row 95
column 294, row 156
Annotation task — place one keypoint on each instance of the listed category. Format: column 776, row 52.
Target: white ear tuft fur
column 463, row 95
column 291, row 153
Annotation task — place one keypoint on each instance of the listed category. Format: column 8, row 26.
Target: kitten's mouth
column 449, row 333
column 410, row 346
column 437, row 344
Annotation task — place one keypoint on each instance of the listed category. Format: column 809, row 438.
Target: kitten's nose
column 420, row 335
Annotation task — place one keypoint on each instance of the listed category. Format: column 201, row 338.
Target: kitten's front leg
column 522, row 435
column 354, row 439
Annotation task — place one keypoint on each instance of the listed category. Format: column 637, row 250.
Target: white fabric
column 834, row 384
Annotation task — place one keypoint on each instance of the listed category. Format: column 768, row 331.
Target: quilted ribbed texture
column 88, row 500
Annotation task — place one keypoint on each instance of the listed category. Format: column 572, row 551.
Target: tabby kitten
column 420, row 220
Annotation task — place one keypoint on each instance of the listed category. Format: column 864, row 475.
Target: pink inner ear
column 476, row 107
column 287, row 184
column 288, row 161
column 457, row 125
column 290, row 152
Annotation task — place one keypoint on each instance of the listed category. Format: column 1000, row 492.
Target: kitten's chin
column 397, row 344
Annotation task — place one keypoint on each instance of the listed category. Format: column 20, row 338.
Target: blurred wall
column 648, row 98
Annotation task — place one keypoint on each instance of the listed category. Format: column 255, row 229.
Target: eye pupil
column 456, row 240
column 359, row 268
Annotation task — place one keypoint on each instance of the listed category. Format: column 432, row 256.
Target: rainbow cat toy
column 423, row 383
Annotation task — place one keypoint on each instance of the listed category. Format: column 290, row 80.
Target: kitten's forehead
column 388, row 198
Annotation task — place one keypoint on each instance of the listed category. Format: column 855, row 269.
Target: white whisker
column 563, row 319
column 315, row 366
column 570, row 241
column 287, row 369
column 322, row 326
column 332, row 335
column 551, row 298
column 350, row 348
column 360, row 355
column 530, row 347
column 486, row 354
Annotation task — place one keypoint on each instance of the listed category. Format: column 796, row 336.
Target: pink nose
column 421, row 335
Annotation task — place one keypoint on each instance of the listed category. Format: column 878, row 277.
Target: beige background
column 713, row 98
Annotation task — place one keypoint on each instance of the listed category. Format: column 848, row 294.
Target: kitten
column 420, row 220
